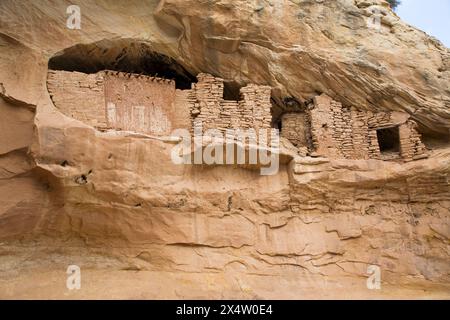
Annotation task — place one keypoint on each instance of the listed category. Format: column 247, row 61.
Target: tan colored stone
column 141, row 227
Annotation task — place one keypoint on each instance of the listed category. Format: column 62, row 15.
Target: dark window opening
column 292, row 104
column 389, row 140
column 121, row 55
column 282, row 105
column 231, row 91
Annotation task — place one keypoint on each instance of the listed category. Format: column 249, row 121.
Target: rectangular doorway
column 389, row 142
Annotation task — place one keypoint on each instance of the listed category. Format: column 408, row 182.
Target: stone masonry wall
column 411, row 146
column 120, row 101
column 375, row 121
column 296, row 128
column 322, row 128
column 208, row 106
column 79, row 95
column 346, row 132
column 360, row 134
column 342, row 129
column 139, row 103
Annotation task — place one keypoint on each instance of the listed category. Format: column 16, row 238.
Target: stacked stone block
column 139, row 103
column 208, row 93
column 79, row 95
column 343, row 132
column 147, row 104
column 360, row 134
column 412, row 147
column 374, row 121
column 209, row 109
column 322, row 128
column 118, row 100
column 342, row 129
column 295, row 128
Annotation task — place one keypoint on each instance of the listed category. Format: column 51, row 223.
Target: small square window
column 389, row 141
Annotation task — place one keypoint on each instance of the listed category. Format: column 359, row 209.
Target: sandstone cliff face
column 116, row 204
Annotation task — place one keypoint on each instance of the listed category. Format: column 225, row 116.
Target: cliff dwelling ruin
column 132, row 166
column 150, row 93
column 113, row 100
column 117, row 100
column 328, row 129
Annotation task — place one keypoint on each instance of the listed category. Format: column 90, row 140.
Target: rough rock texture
column 140, row 226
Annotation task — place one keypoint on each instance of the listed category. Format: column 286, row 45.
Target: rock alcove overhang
column 133, row 57
column 127, row 55
column 122, row 55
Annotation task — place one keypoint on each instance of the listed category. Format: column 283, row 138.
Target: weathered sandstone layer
column 140, row 226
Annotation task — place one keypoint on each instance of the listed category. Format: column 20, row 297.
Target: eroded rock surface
column 140, row 226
